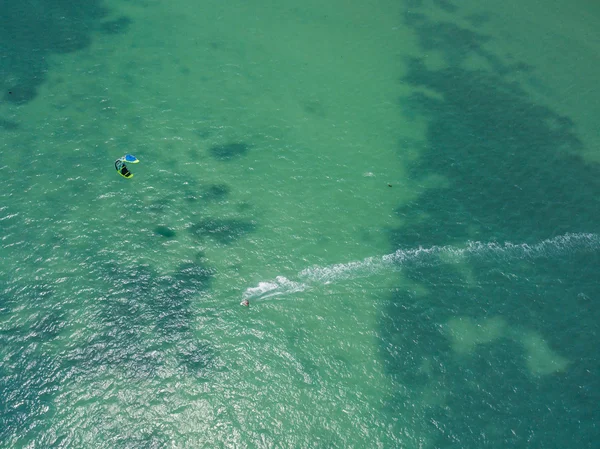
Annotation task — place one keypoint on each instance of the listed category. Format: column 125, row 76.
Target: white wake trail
column 500, row 252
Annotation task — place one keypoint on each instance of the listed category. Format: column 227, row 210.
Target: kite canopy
column 130, row 158
column 122, row 168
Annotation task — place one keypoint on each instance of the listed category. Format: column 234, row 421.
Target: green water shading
column 346, row 156
column 510, row 343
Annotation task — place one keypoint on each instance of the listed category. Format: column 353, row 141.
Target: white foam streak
column 499, row 252
column 279, row 286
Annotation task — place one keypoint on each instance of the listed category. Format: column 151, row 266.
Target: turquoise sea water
column 406, row 192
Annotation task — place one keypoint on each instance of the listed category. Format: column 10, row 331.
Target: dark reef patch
column 117, row 26
column 446, row 5
column 8, row 125
column 165, row 231
column 36, row 30
column 216, row 192
column 229, row 151
column 222, row 230
column 511, row 172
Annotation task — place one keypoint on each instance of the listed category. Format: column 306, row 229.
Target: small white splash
column 368, row 174
column 261, row 289
column 281, row 285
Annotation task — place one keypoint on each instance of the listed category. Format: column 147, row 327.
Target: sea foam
column 559, row 246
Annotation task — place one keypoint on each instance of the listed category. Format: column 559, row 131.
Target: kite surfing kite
column 122, row 168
